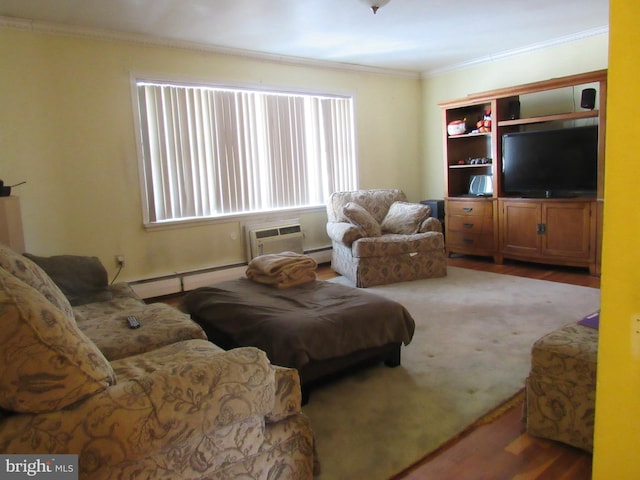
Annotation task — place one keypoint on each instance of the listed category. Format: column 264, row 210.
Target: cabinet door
column 519, row 233
column 567, row 229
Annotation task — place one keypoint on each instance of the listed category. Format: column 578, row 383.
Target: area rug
column 470, row 353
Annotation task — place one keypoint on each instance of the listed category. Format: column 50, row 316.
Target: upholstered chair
column 378, row 237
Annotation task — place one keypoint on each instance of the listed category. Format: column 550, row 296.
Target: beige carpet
column 469, row 354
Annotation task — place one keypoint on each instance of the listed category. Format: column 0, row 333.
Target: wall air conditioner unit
column 274, row 239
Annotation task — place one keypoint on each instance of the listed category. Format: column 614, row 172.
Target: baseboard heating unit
column 261, row 239
column 186, row 281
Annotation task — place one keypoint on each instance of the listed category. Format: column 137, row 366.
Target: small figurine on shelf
column 484, row 125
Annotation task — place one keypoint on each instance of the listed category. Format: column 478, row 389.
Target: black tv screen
column 551, row 163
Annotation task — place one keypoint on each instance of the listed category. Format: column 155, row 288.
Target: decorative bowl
column 457, row 127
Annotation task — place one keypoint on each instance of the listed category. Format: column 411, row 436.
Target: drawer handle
column 467, row 240
column 467, row 209
column 467, row 225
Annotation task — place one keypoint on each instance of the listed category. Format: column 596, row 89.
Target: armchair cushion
column 405, row 218
column 359, row 216
column 81, row 279
column 46, row 362
column 31, row 274
column 393, row 244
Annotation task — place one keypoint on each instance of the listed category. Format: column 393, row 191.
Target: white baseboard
column 157, row 288
column 197, row 280
column 184, row 282
column 322, row 255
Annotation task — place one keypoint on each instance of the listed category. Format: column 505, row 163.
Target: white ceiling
column 410, row 35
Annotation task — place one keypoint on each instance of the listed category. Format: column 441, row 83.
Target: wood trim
column 560, row 82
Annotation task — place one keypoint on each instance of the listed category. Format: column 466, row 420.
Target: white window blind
column 210, row 152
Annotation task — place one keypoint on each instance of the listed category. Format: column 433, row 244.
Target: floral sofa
column 159, row 401
column 378, row 238
column 561, row 386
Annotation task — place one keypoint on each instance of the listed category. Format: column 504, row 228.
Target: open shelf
column 480, row 165
column 467, row 135
column 550, row 118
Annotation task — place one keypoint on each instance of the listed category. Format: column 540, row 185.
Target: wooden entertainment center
column 560, row 231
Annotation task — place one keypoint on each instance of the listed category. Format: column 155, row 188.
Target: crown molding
column 603, row 30
column 111, row 35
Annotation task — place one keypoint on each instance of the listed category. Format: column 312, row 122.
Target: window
column 209, row 152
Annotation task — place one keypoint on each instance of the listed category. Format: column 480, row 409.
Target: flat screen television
column 550, row 163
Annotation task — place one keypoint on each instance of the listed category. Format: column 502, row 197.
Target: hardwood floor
column 499, row 449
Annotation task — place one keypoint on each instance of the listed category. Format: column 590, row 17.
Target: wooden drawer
column 470, row 224
column 469, row 241
column 469, row 207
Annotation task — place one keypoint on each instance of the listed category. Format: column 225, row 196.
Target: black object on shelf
column 437, row 208
column 5, row 190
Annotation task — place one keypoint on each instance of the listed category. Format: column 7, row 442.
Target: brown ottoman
column 320, row 328
column 561, row 387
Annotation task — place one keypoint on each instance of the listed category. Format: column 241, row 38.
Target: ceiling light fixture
column 376, row 4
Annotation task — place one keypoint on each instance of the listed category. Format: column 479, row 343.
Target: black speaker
column 513, row 109
column 588, row 98
column 437, row 208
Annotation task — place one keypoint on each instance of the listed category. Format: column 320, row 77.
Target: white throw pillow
column 359, row 216
column 404, row 218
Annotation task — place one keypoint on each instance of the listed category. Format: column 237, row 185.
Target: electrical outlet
column 119, row 260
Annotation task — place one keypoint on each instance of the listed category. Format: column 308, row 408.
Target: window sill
column 249, row 217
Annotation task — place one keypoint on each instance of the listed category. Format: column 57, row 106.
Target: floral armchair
column 378, row 238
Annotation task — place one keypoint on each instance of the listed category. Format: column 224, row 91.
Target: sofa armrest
column 430, row 224
column 123, row 290
column 82, row 279
column 344, row 232
column 288, row 394
column 193, row 396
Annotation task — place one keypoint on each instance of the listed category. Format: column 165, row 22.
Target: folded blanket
column 283, row 282
column 282, row 270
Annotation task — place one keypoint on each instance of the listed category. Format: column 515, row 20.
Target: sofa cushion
column 569, row 352
column 105, row 323
column 405, row 218
column 31, row 274
column 46, row 362
column 359, row 216
column 81, row 279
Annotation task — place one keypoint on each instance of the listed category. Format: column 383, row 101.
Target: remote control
column 133, row 322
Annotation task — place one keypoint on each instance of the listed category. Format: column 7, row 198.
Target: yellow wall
column 67, row 129
column 618, row 392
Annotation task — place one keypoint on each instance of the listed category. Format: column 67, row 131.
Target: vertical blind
column 210, row 152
